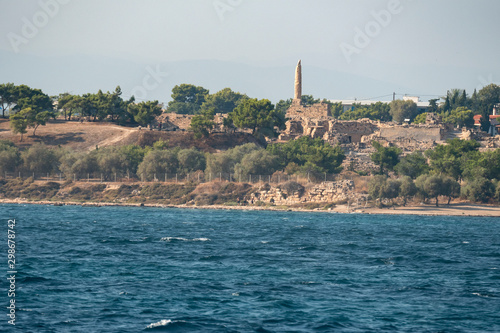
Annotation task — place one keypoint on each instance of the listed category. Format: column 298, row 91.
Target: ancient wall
column 172, row 121
column 325, row 192
column 318, row 110
column 344, row 131
column 422, row 134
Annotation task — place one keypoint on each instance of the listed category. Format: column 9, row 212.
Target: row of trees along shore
column 454, row 169
column 30, row 108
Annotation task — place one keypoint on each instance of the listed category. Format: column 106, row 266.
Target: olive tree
column 158, row 162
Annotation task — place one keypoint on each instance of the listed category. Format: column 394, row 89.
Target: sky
column 356, row 49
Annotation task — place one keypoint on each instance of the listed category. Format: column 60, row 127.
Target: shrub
column 478, row 190
column 40, row 159
column 205, row 199
column 292, row 187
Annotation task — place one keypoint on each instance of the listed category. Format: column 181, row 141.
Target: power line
column 367, row 99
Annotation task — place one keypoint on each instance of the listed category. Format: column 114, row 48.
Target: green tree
column 80, row 164
column 433, row 106
column 144, row 113
column 110, row 161
column 385, row 157
column 223, row 101
column 336, row 108
column 7, row 96
column 392, row 189
column 202, row 124
column 257, row 162
column 187, row 99
column 9, row 157
column 68, row 104
column 456, row 98
column 19, row 123
column 497, row 191
column 283, row 105
column 308, row 100
column 376, row 186
column 446, row 158
column 486, row 99
column 35, row 119
column 32, row 98
column 460, row 116
column 412, row 165
column 259, row 116
column 160, row 145
column 490, row 161
column 225, row 162
column 407, row 188
column 401, row 110
column 89, row 106
column 421, row 118
column 451, row 188
column 40, row 159
column 479, row 189
column 432, row 186
column 116, row 107
column 133, row 156
column 191, row 160
column 377, row 111
column 380, row 187
column 35, row 106
column 158, row 162
column 305, row 149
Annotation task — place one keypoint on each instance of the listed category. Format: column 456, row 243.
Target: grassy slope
column 85, row 136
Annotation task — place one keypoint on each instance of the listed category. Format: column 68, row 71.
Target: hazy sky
column 360, row 49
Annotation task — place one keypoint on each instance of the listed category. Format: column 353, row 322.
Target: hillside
column 87, row 135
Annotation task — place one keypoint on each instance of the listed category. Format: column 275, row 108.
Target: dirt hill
column 87, row 135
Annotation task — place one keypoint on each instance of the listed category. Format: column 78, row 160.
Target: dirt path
column 71, row 134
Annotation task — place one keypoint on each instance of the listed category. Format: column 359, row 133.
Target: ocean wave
column 170, row 239
column 163, row 322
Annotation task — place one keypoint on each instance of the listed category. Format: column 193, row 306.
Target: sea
column 136, row 269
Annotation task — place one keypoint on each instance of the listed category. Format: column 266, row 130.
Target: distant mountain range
column 82, row 74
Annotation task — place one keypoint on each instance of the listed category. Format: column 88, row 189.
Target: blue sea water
column 122, row 269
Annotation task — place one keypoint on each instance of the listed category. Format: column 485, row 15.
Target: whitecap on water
column 163, row 322
column 169, row 239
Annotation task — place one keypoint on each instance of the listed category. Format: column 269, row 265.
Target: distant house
column 494, row 121
column 349, row 103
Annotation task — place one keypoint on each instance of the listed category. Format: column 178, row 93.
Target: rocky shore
column 458, row 209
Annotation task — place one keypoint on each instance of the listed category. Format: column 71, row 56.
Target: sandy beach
column 454, row 209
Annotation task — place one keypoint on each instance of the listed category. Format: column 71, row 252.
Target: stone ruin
column 325, row 192
column 172, row 122
column 182, row 122
column 316, row 121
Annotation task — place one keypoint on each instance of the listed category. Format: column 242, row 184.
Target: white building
column 348, row 103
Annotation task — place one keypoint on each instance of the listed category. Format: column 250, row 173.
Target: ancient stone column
column 298, row 83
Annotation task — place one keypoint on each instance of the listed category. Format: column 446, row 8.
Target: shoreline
column 456, row 209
